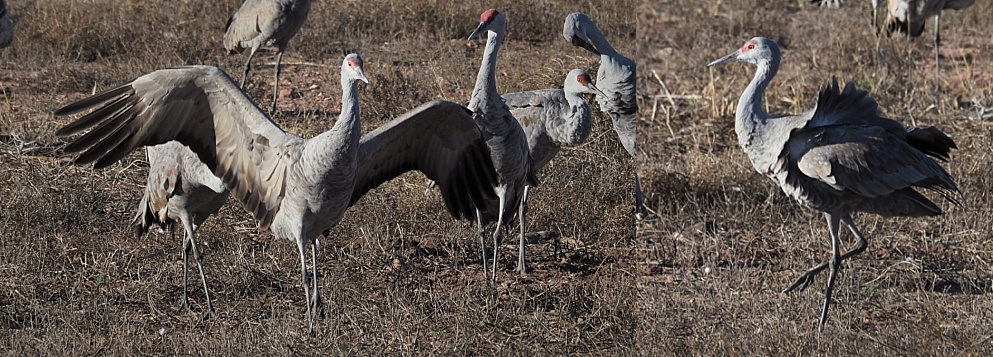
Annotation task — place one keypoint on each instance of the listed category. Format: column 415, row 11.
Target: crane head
column 574, row 31
column 579, row 81
column 754, row 51
column 490, row 20
column 351, row 68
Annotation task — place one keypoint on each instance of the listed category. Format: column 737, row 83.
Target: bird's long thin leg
column 317, row 302
column 910, row 54
column 303, row 273
column 191, row 244
column 834, row 222
column 248, row 66
column 874, row 23
column 804, row 280
column 185, row 303
column 876, row 28
column 482, row 242
column 639, row 197
column 937, row 43
column 523, row 209
column 275, row 93
column 498, row 236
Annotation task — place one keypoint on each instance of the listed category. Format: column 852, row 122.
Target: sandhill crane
column 552, row 118
column 505, row 138
column 6, row 26
column 180, row 189
column 296, row 187
column 909, row 17
column 616, row 77
column 840, row 157
column 260, row 23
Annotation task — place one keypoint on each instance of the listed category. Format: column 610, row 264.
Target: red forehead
column 583, row 79
column 488, row 15
column 355, row 62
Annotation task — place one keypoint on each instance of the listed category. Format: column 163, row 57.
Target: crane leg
column 834, row 222
column 523, row 210
column 248, row 66
column 189, row 243
column 431, row 185
column 639, row 197
column 482, row 242
column 185, row 303
column 316, row 301
column 910, row 54
column 498, row 234
column 275, row 93
column 303, row 273
column 804, row 280
column 937, row 43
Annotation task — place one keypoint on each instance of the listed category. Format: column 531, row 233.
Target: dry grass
column 724, row 241
column 399, row 275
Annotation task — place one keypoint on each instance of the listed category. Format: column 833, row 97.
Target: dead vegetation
column 724, row 240
column 399, row 275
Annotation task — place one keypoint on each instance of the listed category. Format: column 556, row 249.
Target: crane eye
column 751, row 46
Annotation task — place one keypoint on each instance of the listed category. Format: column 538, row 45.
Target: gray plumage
column 840, row 157
column 552, row 118
column 6, row 26
column 298, row 188
column 505, row 139
column 260, row 23
column 180, row 189
column 616, row 77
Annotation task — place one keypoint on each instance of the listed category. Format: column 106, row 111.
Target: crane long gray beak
column 479, row 29
column 363, row 77
column 597, row 91
column 731, row 57
column 576, row 41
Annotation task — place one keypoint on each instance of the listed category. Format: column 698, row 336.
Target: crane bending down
column 616, row 77
column 909, row 16
column 506, row 140
column 840, row 157
column 180, row 189
column 552, row 118
column 296, row 187
column 260, row 23
column 6, row 26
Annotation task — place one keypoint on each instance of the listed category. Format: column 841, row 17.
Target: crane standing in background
column 552, row 118
column 617, row 78
column 265, row 23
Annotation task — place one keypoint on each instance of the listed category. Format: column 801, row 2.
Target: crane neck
column 599, row 41
column 749, row 111
column 580, row 122
column 486, row 78
column 350, row 105
column 574, row 99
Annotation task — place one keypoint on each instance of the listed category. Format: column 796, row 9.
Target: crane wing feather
column 865, row 160
column 202, row 108
column 441, row 140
